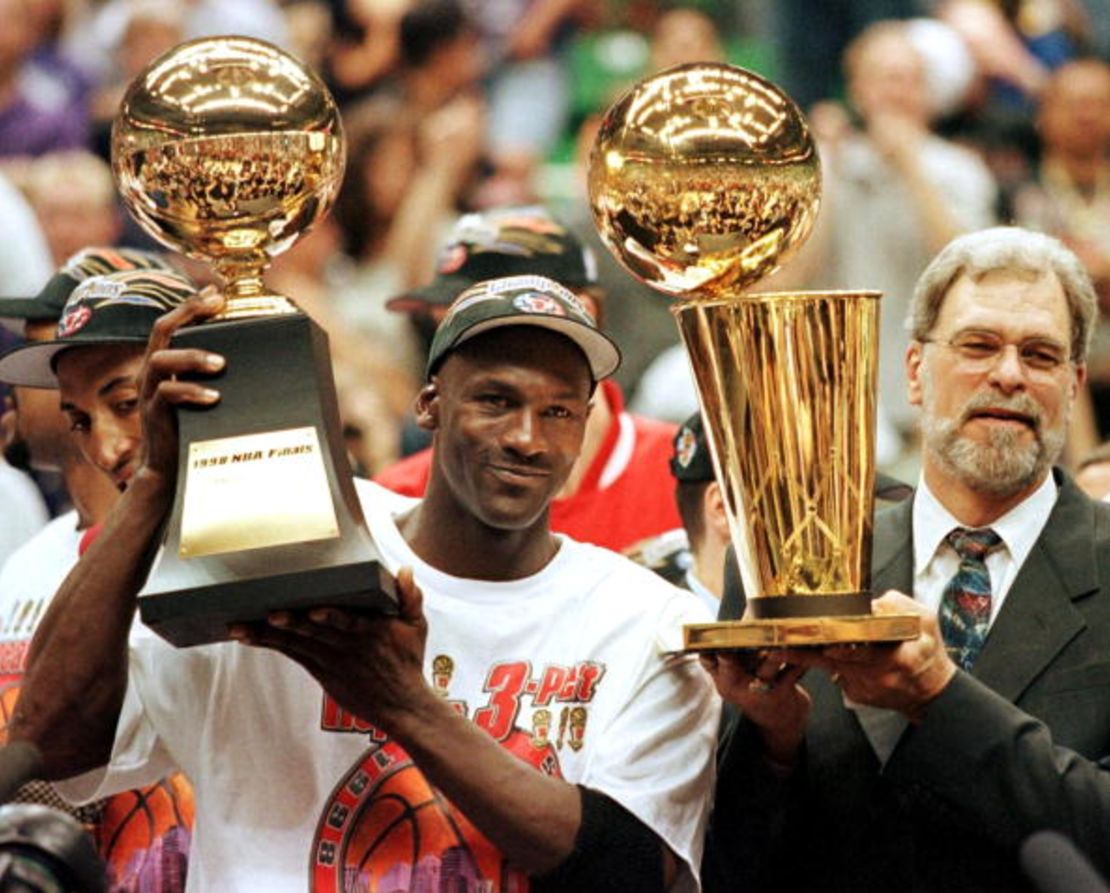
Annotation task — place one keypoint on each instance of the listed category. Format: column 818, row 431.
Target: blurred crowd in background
column 932, row 118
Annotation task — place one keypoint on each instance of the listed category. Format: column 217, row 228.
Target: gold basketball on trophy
column 703, row 180
column 227, row 149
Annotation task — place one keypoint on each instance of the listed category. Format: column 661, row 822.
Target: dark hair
column 427, row 26
column 689, row 496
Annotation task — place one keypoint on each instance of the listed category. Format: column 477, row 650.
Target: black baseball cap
column 514, row 241
column 691, row 462
column 523, row 301
column 84, row 264
column 118, row 308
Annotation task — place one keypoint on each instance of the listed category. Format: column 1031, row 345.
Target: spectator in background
column 365, row 45
column 74, row 198
column 1092, row 474
column 695, row 560
column 33, row 120
column 528, row 86
column 95, row 35
column 147, row 29
column 618, row 491
column 1070, row 198
column 404, row 183
column 682, row 35
column 894, row 194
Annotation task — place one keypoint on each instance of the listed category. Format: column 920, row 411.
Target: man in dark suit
column 923, row 766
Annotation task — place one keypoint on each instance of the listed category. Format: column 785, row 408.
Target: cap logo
column 469, row 298
column 534, row 302
column 74, row 320
column 686, row 448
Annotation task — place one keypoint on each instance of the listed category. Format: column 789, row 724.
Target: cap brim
column 16, row 311
column 440, row 292
column 602, row 354
column 32, row 365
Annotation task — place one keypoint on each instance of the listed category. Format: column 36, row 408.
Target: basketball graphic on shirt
column 386, row 829
column 9, row 694
column 143, row 836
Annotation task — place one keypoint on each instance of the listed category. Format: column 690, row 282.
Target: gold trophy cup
column 227, row 149
column 703, row 180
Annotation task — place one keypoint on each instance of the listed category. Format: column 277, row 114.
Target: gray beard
column 1005, row 464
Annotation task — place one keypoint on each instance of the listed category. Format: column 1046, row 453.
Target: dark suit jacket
column 1019, row 745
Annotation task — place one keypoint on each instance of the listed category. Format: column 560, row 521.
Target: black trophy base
column 203, row 614
column 265, row 517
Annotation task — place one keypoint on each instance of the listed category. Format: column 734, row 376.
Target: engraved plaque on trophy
column 227, row 149
column 703, row 180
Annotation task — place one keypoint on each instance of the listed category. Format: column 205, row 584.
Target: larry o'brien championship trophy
column 703, row 180
column 227, row 149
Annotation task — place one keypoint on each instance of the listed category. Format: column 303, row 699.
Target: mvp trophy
column 227, row 149
column 703, row 180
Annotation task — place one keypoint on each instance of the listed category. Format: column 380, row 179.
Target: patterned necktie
column 965, row 605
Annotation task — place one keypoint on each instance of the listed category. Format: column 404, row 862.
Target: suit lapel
column 892, row 550
column 1038, row 618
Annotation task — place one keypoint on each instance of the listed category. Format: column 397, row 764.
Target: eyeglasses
column 979, row 351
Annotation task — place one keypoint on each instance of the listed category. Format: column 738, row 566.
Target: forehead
column 889, row 52
column 1013, row 303
column 1079, row 81
column 82, row 371
column 526, row 353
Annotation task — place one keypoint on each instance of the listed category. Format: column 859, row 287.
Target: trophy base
column 201, row 615
column 799, row 632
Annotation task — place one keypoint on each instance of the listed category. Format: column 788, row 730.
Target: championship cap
column 523, row 301
column 82, row 265
column 118, row 308
column 691, row 462
column 516, row 241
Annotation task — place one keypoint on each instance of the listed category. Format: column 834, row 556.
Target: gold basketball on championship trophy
column 227, row 149
column 703, row 180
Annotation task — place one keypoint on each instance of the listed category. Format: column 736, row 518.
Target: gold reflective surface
column 704, row 179
column 800, row 632
column 787, row 390
column 254, row 491
column 227, row 149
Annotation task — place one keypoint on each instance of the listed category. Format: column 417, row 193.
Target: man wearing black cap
column 39, row 432
column 618, row 492
column 407, row 754
column 694, row 555
column 107, row 317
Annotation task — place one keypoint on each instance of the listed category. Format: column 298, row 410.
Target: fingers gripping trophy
column 703, row 180
column 227, row 149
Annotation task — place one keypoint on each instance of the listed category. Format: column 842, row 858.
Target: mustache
column 1019, row 404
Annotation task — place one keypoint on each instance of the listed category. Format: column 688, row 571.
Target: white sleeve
column 657, row 754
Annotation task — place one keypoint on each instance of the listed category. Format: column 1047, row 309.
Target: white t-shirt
column 31, row 576
column 565, row 668
column 22, row 510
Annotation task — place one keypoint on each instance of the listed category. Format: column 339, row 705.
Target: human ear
column 914, row 357
column 426, row 406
